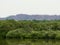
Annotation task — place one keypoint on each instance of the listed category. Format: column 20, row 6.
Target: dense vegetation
column 30, row 29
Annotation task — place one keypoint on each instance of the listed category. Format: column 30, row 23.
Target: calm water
column 29, row 42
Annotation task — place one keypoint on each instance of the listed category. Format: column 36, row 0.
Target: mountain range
column 32, row 17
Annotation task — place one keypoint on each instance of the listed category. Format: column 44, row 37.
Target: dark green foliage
column 30, row 29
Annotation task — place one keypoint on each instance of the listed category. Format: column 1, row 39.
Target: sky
column 13, row 7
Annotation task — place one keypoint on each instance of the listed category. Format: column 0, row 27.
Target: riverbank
column 29, row 42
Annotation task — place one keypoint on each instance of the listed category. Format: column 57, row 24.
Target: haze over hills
column 32, row 17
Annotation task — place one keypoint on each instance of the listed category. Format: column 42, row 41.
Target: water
column 29, row 42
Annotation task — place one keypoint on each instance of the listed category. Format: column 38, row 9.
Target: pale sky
column 13, row 7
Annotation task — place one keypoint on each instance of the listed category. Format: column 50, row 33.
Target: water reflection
column 29, row 42
column 3, row 42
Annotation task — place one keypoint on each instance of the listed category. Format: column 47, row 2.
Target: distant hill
column 32, row 17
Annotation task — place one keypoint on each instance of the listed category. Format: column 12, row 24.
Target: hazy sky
column 12, row 7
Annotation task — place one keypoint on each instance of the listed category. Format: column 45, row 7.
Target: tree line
column 30, row 29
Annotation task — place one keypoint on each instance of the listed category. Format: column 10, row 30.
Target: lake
column 29, row 42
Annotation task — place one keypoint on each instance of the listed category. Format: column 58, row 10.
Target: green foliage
column 18, row 33
column 30, row 29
